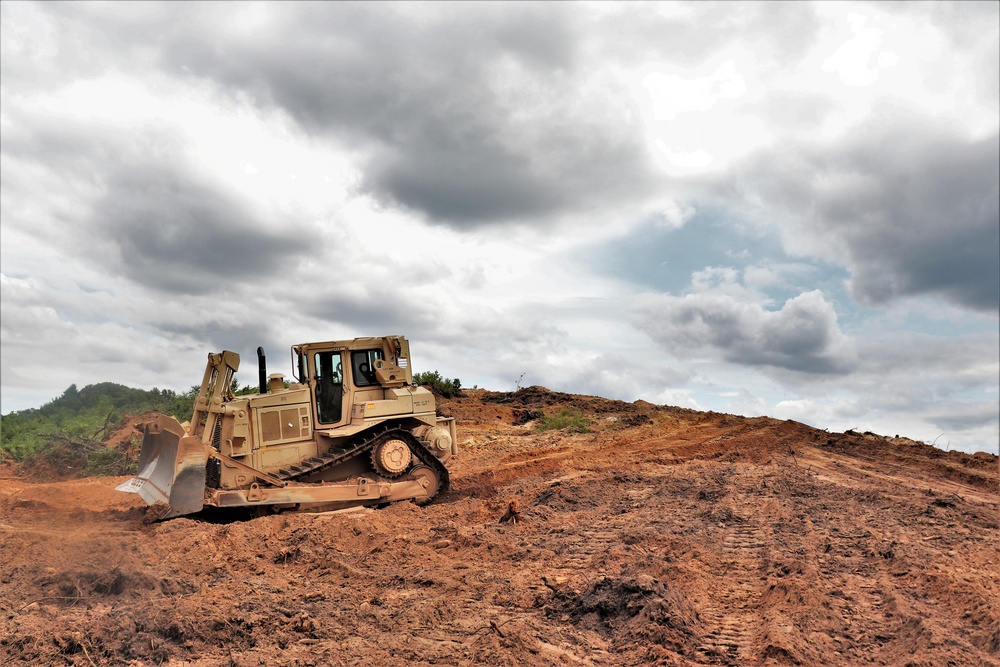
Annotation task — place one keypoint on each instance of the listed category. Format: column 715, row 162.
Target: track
column 730, row 612
column 334, row 458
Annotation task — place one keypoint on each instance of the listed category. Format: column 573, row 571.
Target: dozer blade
column 171, row 468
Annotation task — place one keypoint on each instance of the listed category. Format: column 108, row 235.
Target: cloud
column 797, row 110
column 953, row 361
column 144, row 211
column 471, row 115
column 909, row 206
column 174, row 234
column 48, row 345
column 802, row 336
column 919, row 385
column 690, row 33
column 610, row 375
column 963, row 416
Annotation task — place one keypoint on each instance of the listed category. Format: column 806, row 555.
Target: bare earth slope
column 662, row 537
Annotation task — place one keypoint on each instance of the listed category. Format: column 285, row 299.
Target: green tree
column 86, row 413
column 441, row 386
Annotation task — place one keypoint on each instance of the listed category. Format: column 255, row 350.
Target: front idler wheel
column 429, row 479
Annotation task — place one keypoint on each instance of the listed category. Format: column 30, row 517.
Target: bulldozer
column 352, row 430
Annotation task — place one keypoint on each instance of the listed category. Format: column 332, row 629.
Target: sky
column 778, row 209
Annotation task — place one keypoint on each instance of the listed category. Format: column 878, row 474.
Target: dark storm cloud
column 174, row 234
column 803, row 336
column 915, row 208
column 469, row 114
column 141, row 209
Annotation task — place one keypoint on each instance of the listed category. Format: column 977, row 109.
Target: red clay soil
column 662, row 536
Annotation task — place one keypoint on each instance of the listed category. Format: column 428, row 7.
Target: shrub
column 441, row 386
column 567, row 419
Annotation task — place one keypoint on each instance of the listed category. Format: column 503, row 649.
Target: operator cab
column 336, row 369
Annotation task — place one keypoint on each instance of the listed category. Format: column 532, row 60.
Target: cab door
column 327, row 382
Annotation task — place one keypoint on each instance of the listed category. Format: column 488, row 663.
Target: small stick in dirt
column 53, row 597
column 86, row 653
column 792, row 452
column 513, row 512
column 493, row 624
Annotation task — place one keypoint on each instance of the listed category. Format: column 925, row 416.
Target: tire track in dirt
column 729, row 614
column 861, row 471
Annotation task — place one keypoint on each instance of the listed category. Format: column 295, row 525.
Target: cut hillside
column 643, row 535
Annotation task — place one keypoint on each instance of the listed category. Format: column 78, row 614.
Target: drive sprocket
column 391, row 457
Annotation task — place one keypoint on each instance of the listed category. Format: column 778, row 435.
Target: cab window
column 363, row 365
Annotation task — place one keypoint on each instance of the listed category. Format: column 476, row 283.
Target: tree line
column 86, row 414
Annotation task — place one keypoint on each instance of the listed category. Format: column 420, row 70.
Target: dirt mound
column 126, row 435
column 660, row 536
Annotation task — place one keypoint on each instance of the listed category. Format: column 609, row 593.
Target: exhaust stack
column 262, row 370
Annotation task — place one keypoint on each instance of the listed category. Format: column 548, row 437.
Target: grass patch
column 566, row 420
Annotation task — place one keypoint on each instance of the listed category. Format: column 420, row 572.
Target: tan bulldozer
column 352, row 430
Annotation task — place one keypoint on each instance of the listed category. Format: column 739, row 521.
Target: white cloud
column 799, row 409
column 858, row 60
column 671, row 94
